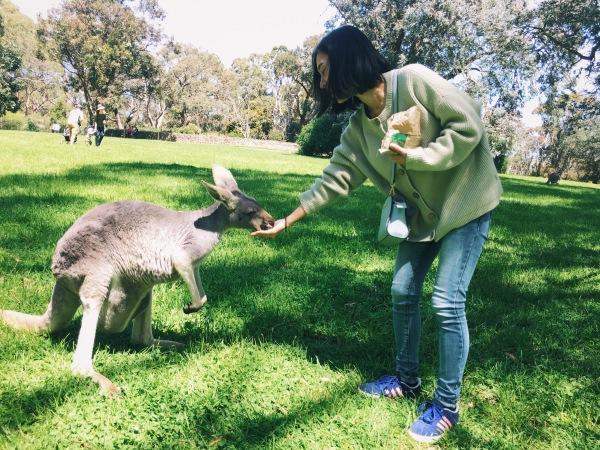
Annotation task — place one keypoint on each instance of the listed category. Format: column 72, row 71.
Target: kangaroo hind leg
column 59, row 312
column 141, row 332
column 93, row 294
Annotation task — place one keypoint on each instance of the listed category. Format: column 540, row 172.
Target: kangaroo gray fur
column 109, row 260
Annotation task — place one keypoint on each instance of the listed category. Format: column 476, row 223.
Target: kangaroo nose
column 267, row 224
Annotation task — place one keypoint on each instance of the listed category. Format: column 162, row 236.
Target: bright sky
column 230, row 28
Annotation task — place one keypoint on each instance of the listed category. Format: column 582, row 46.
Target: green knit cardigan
column 447, row 182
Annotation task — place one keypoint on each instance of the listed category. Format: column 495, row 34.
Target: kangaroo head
column 244, row 211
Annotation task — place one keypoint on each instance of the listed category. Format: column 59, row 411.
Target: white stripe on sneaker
column 445, row 419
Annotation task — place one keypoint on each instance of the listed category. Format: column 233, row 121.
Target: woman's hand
column 398, row 153
column 278, row 227
column 281, row 224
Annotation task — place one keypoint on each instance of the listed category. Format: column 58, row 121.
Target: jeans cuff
column 450, row 404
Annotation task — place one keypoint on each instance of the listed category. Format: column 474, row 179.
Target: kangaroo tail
column 27, row 322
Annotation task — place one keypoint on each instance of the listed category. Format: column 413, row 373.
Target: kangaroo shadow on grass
column 24, row 405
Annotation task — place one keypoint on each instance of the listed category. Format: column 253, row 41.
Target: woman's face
column 322, row 62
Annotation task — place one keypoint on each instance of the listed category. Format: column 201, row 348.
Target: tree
column 504, row 129
column 566, row 36
column 10, row 63
column 470, row 41
column 261, row 116
column 569, row 121
column 246, row 81
column 193, row 80
column 40, row 78
column 291, row 84
column 101, row 45
column 586, row 147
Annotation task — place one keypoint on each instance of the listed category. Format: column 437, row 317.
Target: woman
column 450, row 184
column 99, row 124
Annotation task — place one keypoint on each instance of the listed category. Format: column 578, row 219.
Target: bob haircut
column 354, row 67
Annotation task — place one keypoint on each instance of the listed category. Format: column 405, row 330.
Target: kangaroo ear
column 222, row 195
column 223, row 178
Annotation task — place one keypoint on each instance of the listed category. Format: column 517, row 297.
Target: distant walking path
column 290, row 147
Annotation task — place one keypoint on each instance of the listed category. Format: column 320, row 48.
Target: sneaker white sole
column 425, row 439
column 378, row 395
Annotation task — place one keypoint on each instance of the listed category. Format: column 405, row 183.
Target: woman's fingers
column 398, row 154
column 396, row 148
column 277, row 228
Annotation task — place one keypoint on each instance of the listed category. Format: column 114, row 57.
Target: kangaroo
column 109, row 260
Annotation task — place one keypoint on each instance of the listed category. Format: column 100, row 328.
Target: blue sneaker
column 390, row 386
column 435, row 420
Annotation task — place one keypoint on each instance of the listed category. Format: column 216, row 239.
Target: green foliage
column 294, row 324
column 190, row 128
column 261, row 116
column 570, row 121
column 40, row 78
column 10, row 84
column 566, row 34
column 322, row 134
column 473, row 41
column 32, row 125
column 13, row 121
column 276, row 135
column 58, row 113
column 101, row 45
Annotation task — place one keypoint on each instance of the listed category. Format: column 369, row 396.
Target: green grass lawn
column 293, row 325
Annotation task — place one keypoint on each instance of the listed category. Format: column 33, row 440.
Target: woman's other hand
column 398, row 154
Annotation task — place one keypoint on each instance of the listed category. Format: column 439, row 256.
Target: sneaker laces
column 388, row 381
column 431, row 412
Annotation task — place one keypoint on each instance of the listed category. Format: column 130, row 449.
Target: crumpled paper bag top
column 403, row 128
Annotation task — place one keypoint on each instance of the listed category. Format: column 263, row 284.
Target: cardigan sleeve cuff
column 310, row 202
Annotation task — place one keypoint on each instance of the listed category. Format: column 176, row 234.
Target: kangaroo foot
column 193, row 307
column 160, row 343
column 107, row 387
column 169, row 345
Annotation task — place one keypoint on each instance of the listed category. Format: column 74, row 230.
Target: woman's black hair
column 354, row 67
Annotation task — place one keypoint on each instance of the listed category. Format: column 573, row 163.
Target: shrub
column 58, row 113
column 32, row 126
column 13, row 121
column 322, row 134
column 190, row 128
column 163, row 135
column 275, row 135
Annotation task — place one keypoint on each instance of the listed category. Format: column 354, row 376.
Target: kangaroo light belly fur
column 112, row 256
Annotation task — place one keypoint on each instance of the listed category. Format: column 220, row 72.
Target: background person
column 449, row 182
column 99, row 125
column 74, row 121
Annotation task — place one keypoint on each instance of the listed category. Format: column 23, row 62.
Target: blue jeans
column 99, row 137
column 458, row 253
